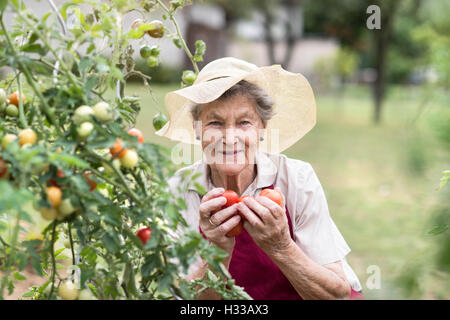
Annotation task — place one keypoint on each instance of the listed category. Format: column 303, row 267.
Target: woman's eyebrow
column 214, row 116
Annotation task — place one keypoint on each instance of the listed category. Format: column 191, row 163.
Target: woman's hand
column 216, row 226
column 266, row 223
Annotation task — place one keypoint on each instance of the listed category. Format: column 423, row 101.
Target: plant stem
column 71, row 246
column 183, row 43
column 121, row 177
column 22, row 119
column 30, row 80
column 53, row 259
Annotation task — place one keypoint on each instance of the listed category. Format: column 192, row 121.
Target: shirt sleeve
column 315, row 232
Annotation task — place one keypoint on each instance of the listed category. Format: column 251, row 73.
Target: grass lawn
column 380, row 180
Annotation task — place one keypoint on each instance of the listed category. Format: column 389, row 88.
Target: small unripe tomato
column 67, row 243
column 159, row 120
column 152, row 61
column 7, row 139
column 3, row 98
column 27, row 137
column 118, row 150
column 130, row 159
column 86, row 294
column 68, row 291
column 145, row 51
column 144, row 234
column 12, row 111
column 155, row 50
column 189, row 77
column 66, row 208
column 85, row 130
column 49, row 214
column 103, row 111
column 115, row 163
column 273, row 195
column 82, row 114
column 2, row 108
column 137, row 133
column 54, row 196
column 158, row 29
column 14, row 98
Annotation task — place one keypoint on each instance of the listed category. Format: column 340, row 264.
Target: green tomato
column 103, row 111
column 7, row 139
column 67, row 243
column 3, row 97
column 159, row 120
column 84, row 130
column 130, row 159
column 155, row 50
column 66, row 208
column 2, row 108
column 12, row 111
column 189, row 76
column 86, row 294
column 82, row 114
column 145, row 51
column 152, row 61
column 68, row 291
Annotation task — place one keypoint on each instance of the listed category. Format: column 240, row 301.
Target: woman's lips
column 232, row 153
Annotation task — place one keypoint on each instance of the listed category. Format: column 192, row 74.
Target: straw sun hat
column 294, row 103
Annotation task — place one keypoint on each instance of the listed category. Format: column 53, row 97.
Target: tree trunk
column 382, row 42
column 270, row 42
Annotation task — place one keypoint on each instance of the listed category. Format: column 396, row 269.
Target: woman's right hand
column 215, row 226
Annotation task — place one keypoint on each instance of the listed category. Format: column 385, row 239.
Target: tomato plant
column 69, row 158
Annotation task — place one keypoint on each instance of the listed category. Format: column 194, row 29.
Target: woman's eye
column 215, row 123
column 245, row 122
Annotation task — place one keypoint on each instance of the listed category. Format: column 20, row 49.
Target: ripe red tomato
column 14, row 98
column 137, row 133
column 144, row 234
column 273, row 195
column 232, row 198
column 3, row 169
column 118, row 150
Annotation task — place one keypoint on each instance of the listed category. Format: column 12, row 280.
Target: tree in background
column 272, row 13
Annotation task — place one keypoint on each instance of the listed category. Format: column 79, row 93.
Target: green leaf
column 19, row 276
column 110, row 243
column 438, row 229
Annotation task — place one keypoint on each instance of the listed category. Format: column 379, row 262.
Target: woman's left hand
column 266, row 223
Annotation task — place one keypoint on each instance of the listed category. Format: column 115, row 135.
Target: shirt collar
column 265, row 177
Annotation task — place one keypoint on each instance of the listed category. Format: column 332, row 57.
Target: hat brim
column 294, row 106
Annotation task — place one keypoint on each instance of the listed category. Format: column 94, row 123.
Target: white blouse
column 314, row 230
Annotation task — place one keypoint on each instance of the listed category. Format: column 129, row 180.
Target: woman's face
column 230, row 132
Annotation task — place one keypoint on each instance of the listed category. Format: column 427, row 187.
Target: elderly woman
column 288, row 251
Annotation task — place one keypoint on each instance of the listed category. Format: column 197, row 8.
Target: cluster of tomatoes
column 10, row 106
column 232, row 198
column 156, row 31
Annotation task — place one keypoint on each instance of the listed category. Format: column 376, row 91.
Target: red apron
column 261, row 278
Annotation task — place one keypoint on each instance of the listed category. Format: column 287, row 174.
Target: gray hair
column 262, row 101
